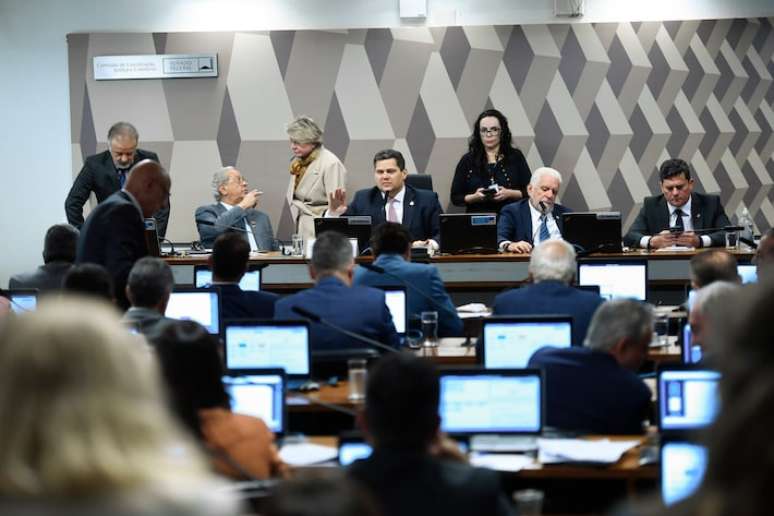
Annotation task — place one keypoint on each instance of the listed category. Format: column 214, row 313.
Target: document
column 501, row 461
column 551, row 451
column 304, row 454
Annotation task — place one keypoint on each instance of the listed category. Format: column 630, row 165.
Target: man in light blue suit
column 391, row 245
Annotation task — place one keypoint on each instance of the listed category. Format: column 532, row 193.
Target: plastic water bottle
column 746, row 221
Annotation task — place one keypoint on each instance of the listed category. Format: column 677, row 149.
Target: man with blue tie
column 526, row 223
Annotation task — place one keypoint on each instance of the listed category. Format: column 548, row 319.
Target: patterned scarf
column 299, row 165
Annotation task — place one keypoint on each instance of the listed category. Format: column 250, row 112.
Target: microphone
column 543, row 208
column 172, row 251
column 315, row 318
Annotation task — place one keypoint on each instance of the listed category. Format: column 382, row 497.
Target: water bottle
column 745, row 220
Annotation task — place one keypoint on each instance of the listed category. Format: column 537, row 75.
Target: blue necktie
column 121, row 178
column 544, row 234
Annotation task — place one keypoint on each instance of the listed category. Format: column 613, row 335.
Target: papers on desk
column 674, row 249
column 553, row 451
column 473, row 310
column 501, row 461
column 305, row 454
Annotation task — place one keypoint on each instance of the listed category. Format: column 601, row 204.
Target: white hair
column 304, row 130
column 538, row 174
column 552, row 260
column 219, row 179
column 713, row 298
column 616, row 320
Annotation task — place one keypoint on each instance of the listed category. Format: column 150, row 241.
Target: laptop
column 196, row 304
column 260, row 344
column 22, row 299
column 250, row 281
column 397, row 303
column 358, row 227
column 509, row 342
column 690, row 352
column 617, row 279
column 352, row 447
column 687, row 398
column 260, row 393
column 468, row 233
column 683, row 464
column 593, row 232
column 748, row 272
column 152, row 237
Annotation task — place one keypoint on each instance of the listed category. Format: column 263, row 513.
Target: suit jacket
column 236, row 303
column 587, row 391
column 46, row 277
column 551, row 297
column 421, row 211
column 706, row 212
column 423, row 278
column 224, row 219
column 114, row 236
column 147, row 321
column 515, row 222
column 358, row 309
column 99, row 175
column 405, row 483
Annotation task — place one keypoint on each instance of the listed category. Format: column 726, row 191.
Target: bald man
column 114, row 233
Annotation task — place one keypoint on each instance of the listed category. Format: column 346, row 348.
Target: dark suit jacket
column 407, row 483
column 551, row 297
column 706, row 212
column 422, row 277
column 515, row 222
column 147, row 321
column 99, row 175
column 46, row 277
column 358, row 309
column 421, row 211
column 114, row 236
column 587, row 391
column 236, row 303
column 223, row 219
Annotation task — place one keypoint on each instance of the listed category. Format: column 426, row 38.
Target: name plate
column 155, row 66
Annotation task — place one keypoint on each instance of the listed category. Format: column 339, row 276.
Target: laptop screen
column 687, row 398
column 497, row 401
column 250, row 281
column 199, row 305
column 23, row 301
column 748, row 272
column 259, row 395
column 621, row 279
column 682, row 469
column 509, row 343
column 395, row 297
column 691, row 352
column 259, row 345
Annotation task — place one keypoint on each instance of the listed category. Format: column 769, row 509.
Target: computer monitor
column 687, row 398
column 683, row 465
column 353, row 227
column 196, row 304
column 748, row 272
column 494, row 401
column 22, row 299
column 509, row 342
column 691, row 352
column 463, row 233
column 261, row 394
column 250, row 281
column 627, row 279
column 593, row 231
column 254, row 344
column 396, row 300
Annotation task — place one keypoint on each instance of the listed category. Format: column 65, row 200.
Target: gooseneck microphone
column 315, row 318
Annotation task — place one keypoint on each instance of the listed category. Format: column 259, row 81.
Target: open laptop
column 627, row 279
column 353, row 227
column 492, row 406
column 593, row 232
column 260, row 393
column 690, row 352
column 22, row 299
column 196, row 304
column 250, row 281
column 152, row 237
column 687, row 398
column 259, row 344
column 683, row 464
column 509, row 342
column 397, row 303
column 468, row 233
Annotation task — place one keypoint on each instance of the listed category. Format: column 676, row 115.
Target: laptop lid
column 196, row 304
column 593, row 232
column 468, row 233
column 509, row 342
column 22, row 299
column 682, row 468
column 492, row 401
column 397, row 301
column 152, row 237
column 358, row 227
column 617, row 279
column 687, row 398
column 250, row 281
column 259, row 344
column 260, row 393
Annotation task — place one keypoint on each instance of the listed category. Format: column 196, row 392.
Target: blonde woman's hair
column 304, row 130
column 81, row 408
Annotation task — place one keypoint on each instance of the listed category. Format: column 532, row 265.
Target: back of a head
column 150, row 282
column 764, row 256
column 553, row 260
column 149, row 184
column 714, row 299
column 390, row 238
column 616, row 320
column 402, row 387
column 319, row 496
column 230, row 254
column 331, row 253
column 89, row 279
column 713, row 265
column 60, row 243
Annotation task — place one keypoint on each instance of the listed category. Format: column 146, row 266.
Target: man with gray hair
column 105, row 173
column 552, row 271
column 148, row 289
column 361, row 310
column 235, row 210
column 595, row 388
column 708, row 308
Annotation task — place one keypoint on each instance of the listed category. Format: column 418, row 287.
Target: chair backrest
column 420, row 181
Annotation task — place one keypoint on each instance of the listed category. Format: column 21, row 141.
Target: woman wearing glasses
column 493, row 173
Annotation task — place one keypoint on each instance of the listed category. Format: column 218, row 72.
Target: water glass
column 429, row 329
column 298, row 244
column 357, row 379
column 732, row 240
column 661, row 329
column 529, row 502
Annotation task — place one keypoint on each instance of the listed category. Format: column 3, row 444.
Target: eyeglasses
column 489, row 130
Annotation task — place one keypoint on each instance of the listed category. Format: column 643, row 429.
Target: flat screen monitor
column 196, row 304
column 22, row 299
column 495, row 401
column 617, row 279
column 509, row 342
column 250, row 281
column 358, row 227
column 748, row 272
column 687, row 398
column 682, row 469
column 261, row 394
column 593, row 231
column 395, row 298
column 251, row 344
column 463, row 233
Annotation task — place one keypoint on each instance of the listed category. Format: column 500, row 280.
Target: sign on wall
column 155, row 66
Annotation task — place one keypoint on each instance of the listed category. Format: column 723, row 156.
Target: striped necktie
column 544, row 234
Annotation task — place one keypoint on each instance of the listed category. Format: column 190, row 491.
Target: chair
column 420, row 181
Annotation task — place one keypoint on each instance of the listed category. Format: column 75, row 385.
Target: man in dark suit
column 595, row 389
column 234, row 211
column 105, row 173
column 148, row 289
column 424, row 287
column 392, row 200
column 114, row 233
column 58, row 257
column 533, row 220
column 229, row 259
column 552, row 270
column 361, row 310
column 413, row 470
column 675, row 217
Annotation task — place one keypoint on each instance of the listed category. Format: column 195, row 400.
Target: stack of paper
column 551, row 451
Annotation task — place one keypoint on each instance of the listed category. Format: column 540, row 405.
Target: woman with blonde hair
column 84, row 427
column 315, row 172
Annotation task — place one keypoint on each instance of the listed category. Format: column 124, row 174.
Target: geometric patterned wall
column 602, row 103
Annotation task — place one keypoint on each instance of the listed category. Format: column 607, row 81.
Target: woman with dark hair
column 493, row 173
column 240, row 446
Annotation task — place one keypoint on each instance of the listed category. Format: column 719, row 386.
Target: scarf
column 299, row 165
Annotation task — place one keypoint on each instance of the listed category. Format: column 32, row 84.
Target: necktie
column 121, row 177
column 679, row 224
column 392, row 215
column 544, row 234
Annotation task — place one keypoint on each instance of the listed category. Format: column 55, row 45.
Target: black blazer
column 99, row 175
column 706, row 212
column 510, row 172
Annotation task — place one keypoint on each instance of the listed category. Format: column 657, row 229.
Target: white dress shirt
column 706, row 241
column 553, row 227
column 248, row 228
